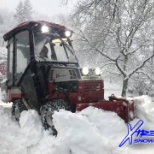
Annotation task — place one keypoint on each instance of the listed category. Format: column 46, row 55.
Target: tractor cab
column 37, row 41
column 33, row 49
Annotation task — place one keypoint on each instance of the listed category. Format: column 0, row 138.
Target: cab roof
column 30, row 24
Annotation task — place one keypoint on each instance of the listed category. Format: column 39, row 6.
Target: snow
column 91, row 131
column 145, row 110
column 82, row 134
column 112, row 87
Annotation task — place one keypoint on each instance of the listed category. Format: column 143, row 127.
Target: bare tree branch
column 145, row 61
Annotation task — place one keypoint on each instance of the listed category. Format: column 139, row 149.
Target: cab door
column 7, row 84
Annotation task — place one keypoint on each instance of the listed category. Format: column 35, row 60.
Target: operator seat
column 44, row 53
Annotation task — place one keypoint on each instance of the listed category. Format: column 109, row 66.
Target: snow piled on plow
column 144, row 109
column 91, row 131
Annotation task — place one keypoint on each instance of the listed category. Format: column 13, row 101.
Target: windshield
column 47, row 49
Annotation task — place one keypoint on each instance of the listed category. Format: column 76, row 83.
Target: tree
column 64, row 2
column 19, row 15
column 6, row 24
column 27, row 10
column 142, row 83
column 121, row 31
column 23, row 11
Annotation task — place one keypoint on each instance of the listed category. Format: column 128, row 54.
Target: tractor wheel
column 17, row 107
column 47, row 111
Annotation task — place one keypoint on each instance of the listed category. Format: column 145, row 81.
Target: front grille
column 93, row 86
column 72, row 74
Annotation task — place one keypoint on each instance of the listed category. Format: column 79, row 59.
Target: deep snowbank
column 86, row 133
column 92, row 131
column 145, row 110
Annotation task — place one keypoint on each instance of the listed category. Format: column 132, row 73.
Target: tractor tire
column 17, row 107
column 47, row 111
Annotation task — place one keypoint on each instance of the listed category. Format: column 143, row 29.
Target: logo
column 60, row 75
column 136, row 135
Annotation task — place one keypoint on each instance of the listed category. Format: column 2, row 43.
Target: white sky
column 49, row 7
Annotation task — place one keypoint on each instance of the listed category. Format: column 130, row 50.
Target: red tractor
column 43, row 73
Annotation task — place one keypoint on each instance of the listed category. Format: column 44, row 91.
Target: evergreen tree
column 19, row 15
column 27, row 10
column 23, row 11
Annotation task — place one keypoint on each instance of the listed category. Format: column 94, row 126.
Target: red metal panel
column 88, row 91
column 120, row 107
column 13, row 94
column 91, row 91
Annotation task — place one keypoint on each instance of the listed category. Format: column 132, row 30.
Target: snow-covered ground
column 91, row 131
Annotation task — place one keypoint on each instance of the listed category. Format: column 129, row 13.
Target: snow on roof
column 29, row 24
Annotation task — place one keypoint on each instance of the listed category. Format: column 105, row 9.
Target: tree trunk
column 124, row 88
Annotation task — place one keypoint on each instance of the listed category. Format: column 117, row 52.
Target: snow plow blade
column 121, row 106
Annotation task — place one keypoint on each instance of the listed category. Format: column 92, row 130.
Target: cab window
column 22, row 54
column 10, row 61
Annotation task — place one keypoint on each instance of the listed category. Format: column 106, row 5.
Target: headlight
column 68, row 33
column 44, row 29
column 97, row 71
column 85, row 71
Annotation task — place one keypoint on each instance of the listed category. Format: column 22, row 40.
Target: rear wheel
column 17, row 107
column 47, row 111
